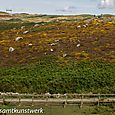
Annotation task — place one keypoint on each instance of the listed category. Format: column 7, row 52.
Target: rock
column 19, row 38
column 11, row 49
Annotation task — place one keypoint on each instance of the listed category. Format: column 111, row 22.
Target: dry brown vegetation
column 94, row 39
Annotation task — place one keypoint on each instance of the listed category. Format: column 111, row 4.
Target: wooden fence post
column 81, row 101
column 98, row 99
column 65, row 103
column 46, row 101
column 19, row 101
column 3, row 100
column 32, row 100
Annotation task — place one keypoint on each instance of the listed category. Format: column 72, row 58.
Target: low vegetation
column 58, row 56
column 50, row 75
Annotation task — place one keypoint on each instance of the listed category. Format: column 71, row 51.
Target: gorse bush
column 48, row 75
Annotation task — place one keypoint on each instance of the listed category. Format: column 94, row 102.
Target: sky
column 62, row 7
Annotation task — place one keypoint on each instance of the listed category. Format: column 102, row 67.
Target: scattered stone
column 19, row 38
column 11, row 49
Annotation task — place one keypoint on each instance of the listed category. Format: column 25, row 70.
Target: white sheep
column 78, row 45
column 25, row 32
column 53, row 44
column 51, row 50
column 11, row 49
column 64, row 55
column 56, row 40
column 22, row 27
column 30, row 44
column 19, row 38
column 79, row 26
column 84, row 26
column 36, row 25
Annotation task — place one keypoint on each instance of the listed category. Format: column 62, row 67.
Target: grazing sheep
column 84, row 26
column 19, row 38
column 53, row 44
column 36, row 25
column 78, row 45
column 11, row 49
column 22, row 27
column 30, row 44
column 78, row 40
column 51, row 50
column 79, row 26
column 25, row 32
column 56, row 40
column 64, row 55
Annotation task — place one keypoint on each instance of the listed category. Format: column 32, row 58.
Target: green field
column 69, row 110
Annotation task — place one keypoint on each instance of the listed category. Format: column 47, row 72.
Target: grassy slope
column 88, row 68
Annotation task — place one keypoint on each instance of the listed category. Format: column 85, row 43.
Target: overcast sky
column 59, row 6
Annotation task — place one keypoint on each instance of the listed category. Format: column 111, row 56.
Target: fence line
column 65, row 99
